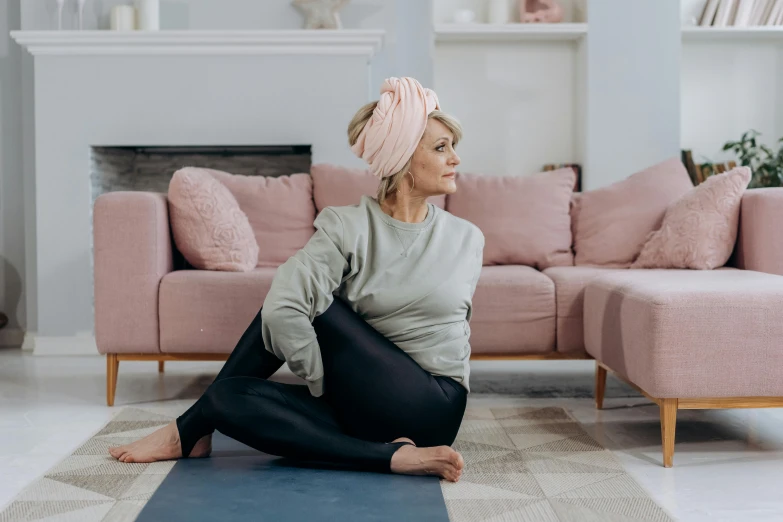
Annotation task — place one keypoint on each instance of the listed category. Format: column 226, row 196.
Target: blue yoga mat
column 238, row 483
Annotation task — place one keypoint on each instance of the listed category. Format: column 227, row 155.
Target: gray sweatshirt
column 412, row 282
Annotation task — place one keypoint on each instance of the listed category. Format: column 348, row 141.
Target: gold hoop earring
column 413, row 184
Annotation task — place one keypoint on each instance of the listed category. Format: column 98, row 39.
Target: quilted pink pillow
column 280, row 211
column 209, row 228
column 610, row 224
column 525, row 219
column 335, row 186
column 699, row 229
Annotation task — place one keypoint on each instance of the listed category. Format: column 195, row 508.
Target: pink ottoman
column 688, row 339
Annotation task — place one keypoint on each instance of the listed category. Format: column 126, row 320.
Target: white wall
column 748, row 73
column 12, row 243
column 516, row 102
column 633, row 87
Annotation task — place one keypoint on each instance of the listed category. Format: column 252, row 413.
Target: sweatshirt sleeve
column 301, row 290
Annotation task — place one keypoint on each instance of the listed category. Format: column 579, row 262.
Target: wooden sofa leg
column 600, row 385
column 112, row 366
column 160, row 366
column 668, row 425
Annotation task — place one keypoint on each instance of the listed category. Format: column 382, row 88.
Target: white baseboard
column 11, row 337
column 29, row 342
column 63, row 345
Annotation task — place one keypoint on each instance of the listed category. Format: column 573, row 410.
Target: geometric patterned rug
column 521, row 464
column 91, row 485
column 538, row 464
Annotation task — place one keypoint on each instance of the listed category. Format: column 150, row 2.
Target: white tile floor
column 728, row 463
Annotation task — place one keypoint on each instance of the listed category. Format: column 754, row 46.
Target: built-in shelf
column 322, row 41
column 508, row 32
column 762, row 32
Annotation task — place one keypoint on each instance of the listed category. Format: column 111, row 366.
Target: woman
column 373, row 313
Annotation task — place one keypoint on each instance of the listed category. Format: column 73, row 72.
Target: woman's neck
column 407, row 208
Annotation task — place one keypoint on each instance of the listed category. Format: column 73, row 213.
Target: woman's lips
column 451, row 176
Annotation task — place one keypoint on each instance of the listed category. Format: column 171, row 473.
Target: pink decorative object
column 209, row 228
column 611, row 224
column 525, row 219
column 699, row 229
column 540, row 11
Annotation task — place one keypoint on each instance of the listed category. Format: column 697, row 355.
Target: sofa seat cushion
column 689, row 334
column 570, row 284
column 207, row 312
column 513, row 311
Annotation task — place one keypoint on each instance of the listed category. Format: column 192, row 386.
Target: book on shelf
column 725, row 15
column 576, row 168
column 741, row 13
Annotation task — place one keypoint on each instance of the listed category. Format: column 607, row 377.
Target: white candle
column 148, row 12
column 498, row 12
column 123, row 18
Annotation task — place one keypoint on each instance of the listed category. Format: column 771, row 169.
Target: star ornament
column 321, row 14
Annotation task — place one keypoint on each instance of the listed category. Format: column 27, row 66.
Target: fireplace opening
column 151, row 168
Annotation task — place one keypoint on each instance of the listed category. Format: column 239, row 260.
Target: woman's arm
column 301, row 290
column 478, row 262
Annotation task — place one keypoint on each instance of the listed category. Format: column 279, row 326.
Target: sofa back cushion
column 700, row 228
column 611, row 224
column 525, row 219
column 336, row 186
column 280, row 211
column 207, row 224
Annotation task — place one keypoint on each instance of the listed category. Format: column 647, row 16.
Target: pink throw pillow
column 525, row 219
column 280, row 211
column 335, row 186
column 610, row 224
column 209, row 228
column 699, row 229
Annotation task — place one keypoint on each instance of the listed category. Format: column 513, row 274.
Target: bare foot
column 439, row 460
column 163, row 444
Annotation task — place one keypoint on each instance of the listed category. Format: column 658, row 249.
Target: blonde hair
column 390, row 183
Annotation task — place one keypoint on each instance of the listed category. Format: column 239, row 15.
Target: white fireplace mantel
column 168, row 88
column 353, row 42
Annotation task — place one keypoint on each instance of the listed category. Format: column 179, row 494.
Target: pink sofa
column 687, row 339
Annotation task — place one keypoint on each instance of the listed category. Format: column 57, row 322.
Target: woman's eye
column 440, row 147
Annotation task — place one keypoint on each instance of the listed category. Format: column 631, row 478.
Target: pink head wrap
column 396, row 126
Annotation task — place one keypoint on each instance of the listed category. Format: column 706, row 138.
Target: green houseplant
column 766, row 164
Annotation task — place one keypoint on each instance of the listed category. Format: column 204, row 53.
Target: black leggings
column 373, row 393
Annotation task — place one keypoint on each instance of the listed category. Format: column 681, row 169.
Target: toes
column 117, row 451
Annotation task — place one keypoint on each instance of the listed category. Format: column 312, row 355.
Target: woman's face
column 434, row 162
